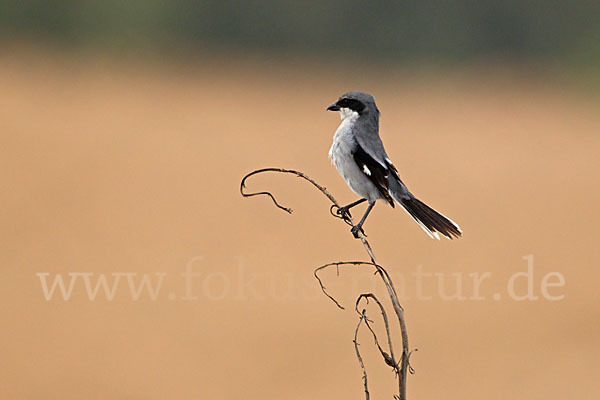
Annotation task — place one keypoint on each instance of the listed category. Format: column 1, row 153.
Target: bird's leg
column 358, row 227
column 346, row 209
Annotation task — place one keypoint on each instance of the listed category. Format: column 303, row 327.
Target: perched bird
column 358, row 154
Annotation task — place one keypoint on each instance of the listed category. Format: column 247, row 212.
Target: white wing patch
column 366, row 170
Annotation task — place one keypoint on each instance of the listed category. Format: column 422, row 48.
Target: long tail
column 430, row 220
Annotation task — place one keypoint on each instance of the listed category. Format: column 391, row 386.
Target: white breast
column 343, row 134
column 341, row 155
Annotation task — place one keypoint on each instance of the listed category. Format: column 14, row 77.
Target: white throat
column 343, row 138
column 347, row 113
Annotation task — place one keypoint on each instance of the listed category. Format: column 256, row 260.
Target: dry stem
column 403, row 366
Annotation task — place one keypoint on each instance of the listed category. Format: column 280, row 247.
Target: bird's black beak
column 333, row 107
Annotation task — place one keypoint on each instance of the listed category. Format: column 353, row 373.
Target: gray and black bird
column 358, row 154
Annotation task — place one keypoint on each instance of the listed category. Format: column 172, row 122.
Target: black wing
column 377, row 173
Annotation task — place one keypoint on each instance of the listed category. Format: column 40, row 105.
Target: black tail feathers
column 430, row 220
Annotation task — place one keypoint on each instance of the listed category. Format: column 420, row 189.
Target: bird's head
column 354, row 104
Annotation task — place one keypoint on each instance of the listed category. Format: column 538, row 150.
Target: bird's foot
column 356, row 229
column 341, row 211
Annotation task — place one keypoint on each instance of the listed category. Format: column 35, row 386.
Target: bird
column 358, row 154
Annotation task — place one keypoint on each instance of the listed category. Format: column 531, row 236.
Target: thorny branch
column 400, row 367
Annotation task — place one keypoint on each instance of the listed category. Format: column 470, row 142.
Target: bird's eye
column 343, row 102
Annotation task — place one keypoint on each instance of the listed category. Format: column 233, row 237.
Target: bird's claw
column 341, row 211
column 356, row 229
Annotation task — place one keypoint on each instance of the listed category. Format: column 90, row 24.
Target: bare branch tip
column 399, row 367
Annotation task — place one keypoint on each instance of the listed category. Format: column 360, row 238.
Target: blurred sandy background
column 116, row 164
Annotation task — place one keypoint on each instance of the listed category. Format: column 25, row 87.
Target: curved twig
column 337, row 264
column 322, row 189
column 378, row 270
column 360, row 360
column 285, row 171
column 404, row 366
column 390, row 360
